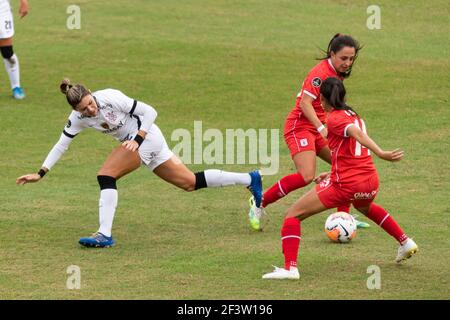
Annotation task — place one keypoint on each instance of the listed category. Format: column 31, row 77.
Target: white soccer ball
column 340, row 227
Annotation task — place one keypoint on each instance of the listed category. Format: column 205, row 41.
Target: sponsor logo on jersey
column 104, row 106
column 114, row 128
column 364, row 195
column 316, row 82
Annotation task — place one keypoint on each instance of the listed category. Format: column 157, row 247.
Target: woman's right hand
column 394, row 155
column 33, row 177
column 321, row 177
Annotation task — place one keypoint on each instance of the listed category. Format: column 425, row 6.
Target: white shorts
column 6, row 24
column 154, row 150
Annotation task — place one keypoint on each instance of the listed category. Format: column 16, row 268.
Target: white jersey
column 6, row 20
column 5, row 6
column 120, row 117
column 115, row 116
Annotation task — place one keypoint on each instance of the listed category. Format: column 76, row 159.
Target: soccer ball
column 340, row 227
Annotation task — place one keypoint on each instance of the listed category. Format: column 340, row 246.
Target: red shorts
column 360, row 195
column 303, row 140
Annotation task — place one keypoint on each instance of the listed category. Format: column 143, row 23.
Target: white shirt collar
column 331, row 64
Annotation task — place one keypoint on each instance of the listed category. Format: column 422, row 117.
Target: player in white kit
column 131, row 122
column 6, row 45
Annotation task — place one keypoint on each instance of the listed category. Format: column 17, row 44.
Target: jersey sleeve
column 312, row 83
column 122, row 102
column 74, row 125
column 134, row 107
column 339, row 121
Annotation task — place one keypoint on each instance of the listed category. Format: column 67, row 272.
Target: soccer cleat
column 281, row 273
column 254, row 215
column 360, row 224
column 18, row 93
column 97, row 240
column 255, row 187
column 406, row 250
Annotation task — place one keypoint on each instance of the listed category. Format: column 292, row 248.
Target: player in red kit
column 305, row 132
column 353, row 180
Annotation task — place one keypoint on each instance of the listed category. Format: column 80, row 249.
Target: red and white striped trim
column 286, row 237
column 309, row 94
column 346, row 127
column 293, row 133
column 281, row 189
column 337, row 157
column 382, row 221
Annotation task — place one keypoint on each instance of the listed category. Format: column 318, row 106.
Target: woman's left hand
column 23, row 10
column 130, row 145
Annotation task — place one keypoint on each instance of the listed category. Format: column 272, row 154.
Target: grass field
column 231, row 64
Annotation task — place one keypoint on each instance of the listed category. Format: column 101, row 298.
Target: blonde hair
column 74, row 93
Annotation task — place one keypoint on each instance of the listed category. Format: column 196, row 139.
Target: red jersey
column 311, row 87
column 351, row 162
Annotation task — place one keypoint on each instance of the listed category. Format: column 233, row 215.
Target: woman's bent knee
column 308, row 177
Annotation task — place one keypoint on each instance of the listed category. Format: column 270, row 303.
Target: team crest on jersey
column 105, row 125
column 316, row 82
column 304, row 142
column 111, row 116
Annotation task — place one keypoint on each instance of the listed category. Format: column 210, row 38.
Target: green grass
column 231, row 64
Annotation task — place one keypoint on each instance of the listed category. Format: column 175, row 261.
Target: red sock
column 385, row 221
column 290, row 241
column 281, row 188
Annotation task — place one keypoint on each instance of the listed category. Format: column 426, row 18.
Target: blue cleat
column 97, row 240
column 255, row 187
column 18, row 93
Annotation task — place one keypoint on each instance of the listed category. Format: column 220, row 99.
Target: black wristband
column 42, row 173
column 138, row 139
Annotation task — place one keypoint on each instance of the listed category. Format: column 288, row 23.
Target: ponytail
column 334, row 91
column 73, row 93
column 65, row 86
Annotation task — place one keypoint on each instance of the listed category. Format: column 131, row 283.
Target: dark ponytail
column 333, row 90
column 336, row 44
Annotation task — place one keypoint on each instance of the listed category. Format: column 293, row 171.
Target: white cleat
column 281, row 273
column 406, row 250
column 254, row 215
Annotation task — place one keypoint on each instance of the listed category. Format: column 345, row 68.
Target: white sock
column 107, row 208
column 12, row 68
column 218, row 178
